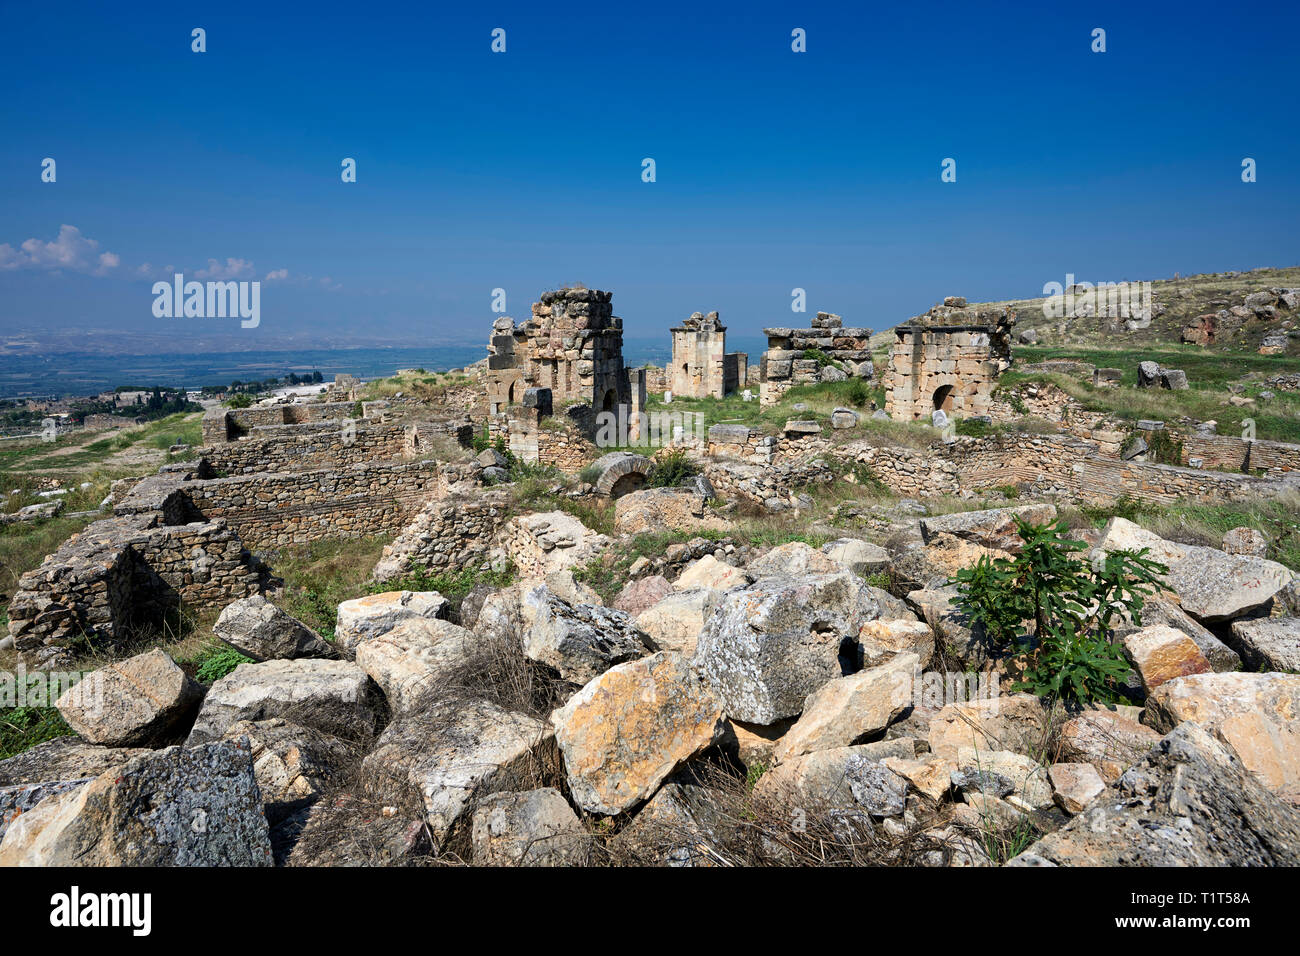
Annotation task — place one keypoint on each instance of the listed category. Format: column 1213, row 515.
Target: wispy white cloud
column 277, row 275
column 232, row 268
column 71, row 251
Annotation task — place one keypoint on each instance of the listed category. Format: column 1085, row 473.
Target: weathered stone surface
column 1162, row 653
column 628, row 729
column 858, row 556
column 64, row 758
column 292, row 764
column 1213, row 586
column 620, row 472
column 770, row 645
column 679, row 826
column 756, row 743
column 414, row 657
column 793, row 559
column 950, row 625
column 450, row 752
column 365, row 617
column 1017, row 722
column 1258, row 715
column 847, row 777
column 1247, row 541
column 709, row 572
column 580, row 641
column 335, row 697
column 181, row 806
column 928, row 774
column 992, row 528
column 535, row 828
column 1120, row 534
column 256, row 627
column 19, row 799
column 878, row 641
column 846, row 709
column 675, row 623
column 642, row 594
column 1026, row 776
column 1190, row 802
column 1075, row 785
column 1109, row 741
column 1158, row 609
column 143, row 700
column 1271, row 643
column 662, row 509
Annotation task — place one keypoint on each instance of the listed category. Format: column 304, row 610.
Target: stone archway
column 943, row 399
column 621, row 472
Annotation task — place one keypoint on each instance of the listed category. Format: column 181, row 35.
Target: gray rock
column 196, row 806
column 1148, row 374
column 768, row 646
column 336, row 697
column 256, row 627
column 860, row 557
column 831, row 374
column 536, row 828
column 939, row 418
column 1173, row 378
column 1189, row 802
column 492, row 458
column 141, row 701
column 1028, row 337
column 1213, row 586
column 1271, row 644
column 1133, row 447
column 993, row 527
column 580, row 641
column 844, row 418
column 293, row 765
column 495, row 476
column 846, row 778
column 64, row 758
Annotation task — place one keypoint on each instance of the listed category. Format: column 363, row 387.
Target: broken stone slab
column 1255, row 714
column 256, row 627
column 1075, row 785
column 847, row 709
column 1173, row 378
column 992, row 528
column 365, row 617
column 1027, row 778
column 844, row 418
column 415, row 657
column 1271, row 644
column 767, row 646
column 860, row 557
column 642, row 594
column 1213, row 586
column 843, row 778
column 1189, row 802
column 675, row 623
column 1148, row 374
column 579, row 641
column 534, row 828
column 1108, row 740
column 654, row 510
column 794, row 558
column 627, row 730
column 927, row 774
column 142, row 701
column 709, row 572
column 293, row 765
column 797, row 427
column 64, row 758
column 1161, row 653
column 182, row 806
column 1160, row 610
column 879, row 641
column 448, row 754
column 1016, row 722
column 1247, row 541
column 335, row 697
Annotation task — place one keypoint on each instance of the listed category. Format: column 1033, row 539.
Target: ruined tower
column 949, row 359
column 701, row 366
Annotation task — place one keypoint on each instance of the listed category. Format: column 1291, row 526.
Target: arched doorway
column 607, row 403
column 943, row 398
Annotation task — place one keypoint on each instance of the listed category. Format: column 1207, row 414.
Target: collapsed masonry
column 827, row 352
column 701, row 365
column 948, row 360
column 568, row 355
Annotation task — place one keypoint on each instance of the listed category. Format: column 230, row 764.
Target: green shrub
column 858, row 394
column 239, row 400
column 589, row 474
column 671, row 469
column 219, row 662
column 973, row 427
column 1070, row 605
column 22, row 728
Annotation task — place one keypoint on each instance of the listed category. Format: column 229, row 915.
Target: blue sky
column 522, row 170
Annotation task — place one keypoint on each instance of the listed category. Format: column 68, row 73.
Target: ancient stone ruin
column 948, row 360
column 701, row 365
column 827, row 352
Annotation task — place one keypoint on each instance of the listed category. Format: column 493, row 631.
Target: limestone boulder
column 628, row 729
column 64, row 758
column 846, row 777
column 1270, row 643
column 1247, row 541
column 860, row 557
column 1213, row 586
column 293, row 765
column 335, row 697
column 449, row 754
column 769, row 645
column 709, row 572
column 1255, row 714
column 579, row 641
column 992, row 528
column 1015, row 722
column 1189, row 802
column 927, row 774
column 182, row 806
column 1161, row 653
column 792, row 559
column 1160, row 609
column 675, row 623
column 142, row 701
column 415, row 657
column 1029, row 788
column 846, row 709
column 878, row 641
column 535, row 828
column 1108, row 740
column 365, row 617
column 1120, row 534
column 258, row 629
column 642, row 594
column 658, row 510
column 1075, row 785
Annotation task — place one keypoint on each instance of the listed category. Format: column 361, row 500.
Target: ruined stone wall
column 737, row 441
column 229, row 424
column 949, row 359
column 452, row 532
column 1227, row 451
column 312, row 446
column 784, row 365
column 538, row 544
column 701, row 366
